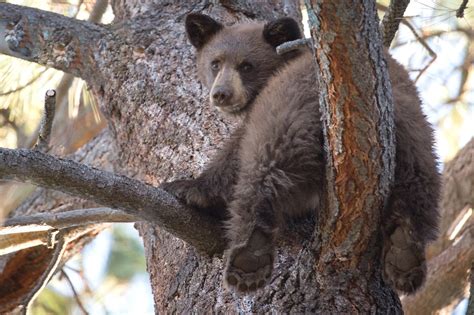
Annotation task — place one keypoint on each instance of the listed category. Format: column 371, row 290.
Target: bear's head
column 235, row 62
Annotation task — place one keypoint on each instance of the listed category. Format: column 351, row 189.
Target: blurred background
column 432, row 43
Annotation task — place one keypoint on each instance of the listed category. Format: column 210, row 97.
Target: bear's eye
column 245, row 66
column 215, row 65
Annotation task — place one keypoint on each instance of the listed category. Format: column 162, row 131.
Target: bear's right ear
column 280, row 31
column 200, row 28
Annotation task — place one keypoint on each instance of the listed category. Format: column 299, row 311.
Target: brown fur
column 232, row 48
column 273, row 165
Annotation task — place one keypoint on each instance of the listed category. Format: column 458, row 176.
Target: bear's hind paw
column 249, row 267
column 405, row 266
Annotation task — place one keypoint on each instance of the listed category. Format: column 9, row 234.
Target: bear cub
column 273, row 165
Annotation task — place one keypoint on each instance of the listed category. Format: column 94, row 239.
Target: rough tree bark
column 359, row 140
column 143, row 74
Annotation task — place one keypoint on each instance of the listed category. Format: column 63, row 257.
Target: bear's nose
column 221, row 95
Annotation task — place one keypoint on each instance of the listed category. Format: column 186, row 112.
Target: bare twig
column 431, row 52
column 119, row 192
column 72, row 218
column 461, row 9
column 293, row 45
column 58, row 252
column 391, row 20
column 420, row 39
column 46, row 121
column 61, row 98
column 98, row 11
column 78, row 8
column 74, row 292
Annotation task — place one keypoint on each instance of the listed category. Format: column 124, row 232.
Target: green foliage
column 126, row 257
column 50, row 302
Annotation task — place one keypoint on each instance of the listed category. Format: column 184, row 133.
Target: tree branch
column 431, row 52
column 71, row 218
column 17, row 240
column 74, row 292
column 49, row 39
column 391, row 20
column 293, row 45
column 46, row 121
column 55, row 259
column 39, row 229
column 461, row 9
column 20, row 237
column 133, row 197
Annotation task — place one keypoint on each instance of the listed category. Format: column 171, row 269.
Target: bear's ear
column 200, row 28
column 280, row 31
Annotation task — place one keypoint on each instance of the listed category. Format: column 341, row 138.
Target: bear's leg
column 411, row 216
column 280, row 175
column 212, row 190
column 249, row 260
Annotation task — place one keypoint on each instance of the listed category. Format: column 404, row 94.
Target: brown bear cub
column 273, row 166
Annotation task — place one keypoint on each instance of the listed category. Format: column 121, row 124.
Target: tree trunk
column 142, row 71
column 359, row 139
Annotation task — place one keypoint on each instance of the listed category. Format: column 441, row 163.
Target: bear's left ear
column 280, row 31
column 200, row 28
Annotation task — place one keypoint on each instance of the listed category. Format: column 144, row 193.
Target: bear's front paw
column 249, row 267
column 404, row 265
column 190, row 191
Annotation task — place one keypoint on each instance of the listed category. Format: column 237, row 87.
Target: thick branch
column 391, row 20
column 134, row 197
column 49, row 39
